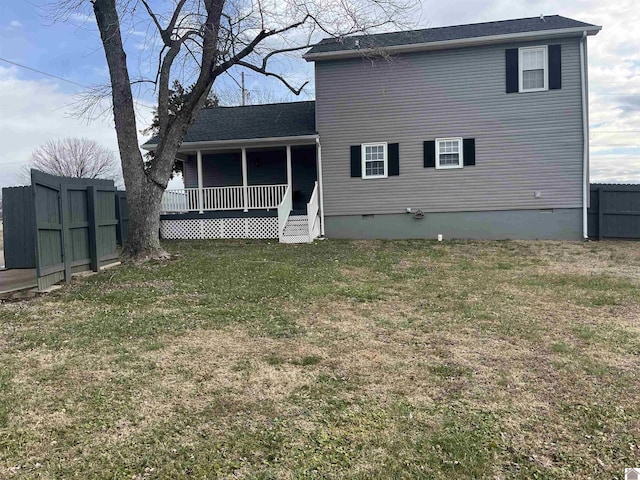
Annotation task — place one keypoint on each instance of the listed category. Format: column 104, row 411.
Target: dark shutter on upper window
column 511, row 56
column 430, row 154
column 469, row 151
column 393, row 150
column 356, row 161
column 555, row 67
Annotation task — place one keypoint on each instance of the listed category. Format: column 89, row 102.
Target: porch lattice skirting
column 209, row 228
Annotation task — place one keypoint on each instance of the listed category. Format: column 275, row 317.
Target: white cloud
column 14, row 24
column 34, row 112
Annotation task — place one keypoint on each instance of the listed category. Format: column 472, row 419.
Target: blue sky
column 36, row 108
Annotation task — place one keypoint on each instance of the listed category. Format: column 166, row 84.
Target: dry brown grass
column 408, row 359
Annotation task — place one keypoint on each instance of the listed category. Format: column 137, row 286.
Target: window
column 374, row 160
column 533, row 74
column 449, row 153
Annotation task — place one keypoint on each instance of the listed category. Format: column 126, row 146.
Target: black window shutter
column 393, row 150
column 469, row 151
column 356, row 161
column 430, row 154
column 511, row 56
column 555, row 67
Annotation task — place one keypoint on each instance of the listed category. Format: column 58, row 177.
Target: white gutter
column 188, row 146
column 585, row 138
column 457, row 43
column 320, row 185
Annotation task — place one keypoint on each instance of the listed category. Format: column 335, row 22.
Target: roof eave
column 213, row 144
column 457, row 43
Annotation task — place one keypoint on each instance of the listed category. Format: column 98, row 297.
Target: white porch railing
column 313, row 207
column 266, row 196
column 222, row 198
column 259, row 197
column 284, row 209
column 180, row 200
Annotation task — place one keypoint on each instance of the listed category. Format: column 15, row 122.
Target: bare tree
column 74, row 157
column 198, row 41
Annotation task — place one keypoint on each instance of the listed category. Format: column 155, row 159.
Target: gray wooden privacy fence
column 68, row 226
column 614, row 211
column 122, row 213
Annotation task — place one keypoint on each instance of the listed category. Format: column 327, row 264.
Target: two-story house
column 471, row 131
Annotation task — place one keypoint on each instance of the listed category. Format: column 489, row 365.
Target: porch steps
column 296, row 230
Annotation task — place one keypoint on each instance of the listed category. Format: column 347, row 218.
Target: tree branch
column 266, row 73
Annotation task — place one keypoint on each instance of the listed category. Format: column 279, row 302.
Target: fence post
column 65, row 214
column 600, row 214
column 92, row 205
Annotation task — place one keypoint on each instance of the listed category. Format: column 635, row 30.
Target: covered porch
column 249, row 172
column 244, row 178
column 261, row 188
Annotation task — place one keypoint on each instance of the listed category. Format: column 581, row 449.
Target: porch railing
column 266, row 196
column 223, row 198
column 313, row 207
column 179, row 200
column 284, row 209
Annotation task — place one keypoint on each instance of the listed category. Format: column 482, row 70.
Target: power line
column 44, row 73
column 14, row 163
column 41, row 72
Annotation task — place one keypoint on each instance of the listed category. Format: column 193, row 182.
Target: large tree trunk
column 143, row 240
column 144, row 192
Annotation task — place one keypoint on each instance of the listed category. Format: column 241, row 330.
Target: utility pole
column 243, row 90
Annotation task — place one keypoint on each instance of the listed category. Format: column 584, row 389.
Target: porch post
column 200, row 183
column 289, row 178
column 245, row 190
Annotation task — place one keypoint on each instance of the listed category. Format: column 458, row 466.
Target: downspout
column 321, row 192
column 585, row 138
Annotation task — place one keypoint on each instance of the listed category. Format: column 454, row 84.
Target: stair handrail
column 313, row 207
column 284, row 209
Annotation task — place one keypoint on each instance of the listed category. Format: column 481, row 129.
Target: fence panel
column 122, row 214
column 614, row 211
column 19, row 247
column 50, row 266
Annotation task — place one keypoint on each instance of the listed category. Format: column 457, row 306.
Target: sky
column 35, row 108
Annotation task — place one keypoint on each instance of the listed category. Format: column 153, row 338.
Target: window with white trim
column 449, row 153
column 374, row 160
column 534, row 71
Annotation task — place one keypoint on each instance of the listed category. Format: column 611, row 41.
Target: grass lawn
column 406, row 359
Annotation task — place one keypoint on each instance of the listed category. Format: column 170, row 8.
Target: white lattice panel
column 262, row 227
column 257, row 227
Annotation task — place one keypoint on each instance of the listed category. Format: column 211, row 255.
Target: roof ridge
column 259, row 104
column 420, row 30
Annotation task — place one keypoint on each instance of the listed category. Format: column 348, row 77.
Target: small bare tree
column 74, row 157
column 198, row 42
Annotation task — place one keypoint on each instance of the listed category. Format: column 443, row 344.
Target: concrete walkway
column 17, row 279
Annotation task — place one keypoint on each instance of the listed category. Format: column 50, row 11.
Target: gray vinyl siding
column 525, row 142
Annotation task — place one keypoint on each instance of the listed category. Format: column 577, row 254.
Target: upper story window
column 534, row 72
column 374, row 160
column 449, row 153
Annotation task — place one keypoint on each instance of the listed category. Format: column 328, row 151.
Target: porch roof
column 269, row 121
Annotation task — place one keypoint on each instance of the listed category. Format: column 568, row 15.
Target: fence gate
column 75, row 226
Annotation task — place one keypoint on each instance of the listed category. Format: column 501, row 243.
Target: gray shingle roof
column 253, row 121
column 428, row 35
